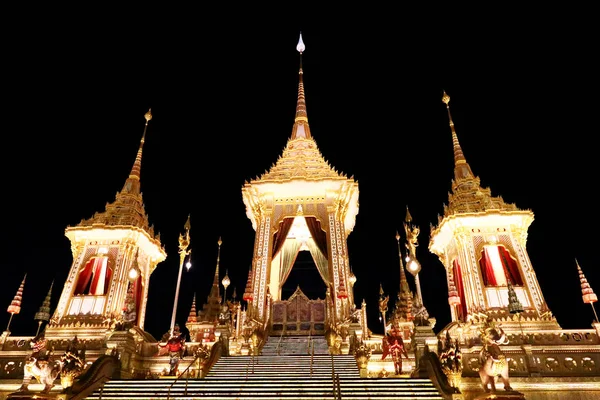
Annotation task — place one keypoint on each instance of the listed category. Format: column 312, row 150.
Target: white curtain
column 288, row 256
column 319, row 258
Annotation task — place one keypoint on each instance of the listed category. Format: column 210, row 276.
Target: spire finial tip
column 445, row 98
column 300, row 47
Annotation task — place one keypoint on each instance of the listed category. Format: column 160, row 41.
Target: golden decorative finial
column 397, row 236
column 300, row 47
column 219, row 242
column 184, row 240
column 148, row 115
column 446, row 98
column 408, row 216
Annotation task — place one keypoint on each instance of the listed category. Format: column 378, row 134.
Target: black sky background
column 523, row 99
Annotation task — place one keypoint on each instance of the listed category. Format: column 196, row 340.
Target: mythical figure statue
column 224, row 313
column 492, row 359
column 175, row 347
column 129, row 314
column 451, row 360
column 40, row 365
column 394, row 344
column 419, row 312
column 73, row 362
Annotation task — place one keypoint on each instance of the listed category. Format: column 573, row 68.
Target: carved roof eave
column 444, row 233
column 100, row 231
column 342, row 190
column 301, row 158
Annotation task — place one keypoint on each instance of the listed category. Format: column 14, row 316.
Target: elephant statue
column 493, row 362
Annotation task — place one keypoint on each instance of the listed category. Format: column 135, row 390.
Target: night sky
column 523, row 99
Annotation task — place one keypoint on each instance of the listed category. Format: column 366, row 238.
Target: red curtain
column 137, row 293
column 510, row 267
column 318, row 234
column 487, row 269
column 281, row 234
column 458, row 282
column 85, row 275
column 90, row 277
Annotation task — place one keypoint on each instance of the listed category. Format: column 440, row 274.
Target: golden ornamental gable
column 300, row 159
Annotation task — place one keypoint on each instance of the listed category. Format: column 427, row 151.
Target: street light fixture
column 225, row 283
column 412, row 264
column 133, row 274
column 184, row 243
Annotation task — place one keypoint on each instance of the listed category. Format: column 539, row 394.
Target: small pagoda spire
column 404, row 307
column 301, row 129
column 462, row 169
column 214, row 296
column 193, row 317
column 43, row 314
column 132, row 184
column 216, row 279
column 588, row 295
column 15, row 305
column 248, row 296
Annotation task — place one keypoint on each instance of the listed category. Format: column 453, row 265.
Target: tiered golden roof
column 467, row 195
column 128, row 207
column 301, row 158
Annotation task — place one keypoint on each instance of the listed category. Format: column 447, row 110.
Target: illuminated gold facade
column 481, row 241
column 301, row 185
column 303, row 204
column 113, row 251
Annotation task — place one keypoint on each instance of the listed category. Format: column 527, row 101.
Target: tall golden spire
column 462, row 169
column 403, row 309
column 301, row 129
column 132, row 184
column 214, row 292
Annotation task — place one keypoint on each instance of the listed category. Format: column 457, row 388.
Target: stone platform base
column 500, row 395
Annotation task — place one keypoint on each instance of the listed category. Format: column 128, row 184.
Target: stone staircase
column 293, row 374
column 295, row 345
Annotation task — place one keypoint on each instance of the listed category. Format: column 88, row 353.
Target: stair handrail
column 215, row 353
column 337, row 388
column 279, row 343
column 312, row 358
column 333, row 377
column 180, row 375
column 250, row 363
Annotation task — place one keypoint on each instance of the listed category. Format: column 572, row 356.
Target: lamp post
column 414, row 267
column 383, row 307
column 184, row 243
column 225, row 283
column 412, row 264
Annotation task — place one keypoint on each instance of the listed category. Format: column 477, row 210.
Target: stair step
column 271, row 377
column 389, row 388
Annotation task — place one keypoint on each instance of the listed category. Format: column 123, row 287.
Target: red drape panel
column 281, row 235
column 137, row 292
column 458, row 282
column 107, row 280
column 487, row 270
column 510, row 267
column 83, row 280
column 318, row 234
column 90, row 277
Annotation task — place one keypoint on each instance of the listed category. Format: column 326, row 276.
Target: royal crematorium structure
column 502, row 342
